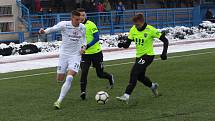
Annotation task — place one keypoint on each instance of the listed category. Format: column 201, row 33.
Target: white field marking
column 172, row 57
column 30, row 75
column 157, row 59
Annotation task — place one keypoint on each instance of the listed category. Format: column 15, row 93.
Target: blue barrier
column 116, row 22
column 24, row 15
column 20, row 37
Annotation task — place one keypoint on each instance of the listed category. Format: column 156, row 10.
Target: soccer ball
column 102, row 97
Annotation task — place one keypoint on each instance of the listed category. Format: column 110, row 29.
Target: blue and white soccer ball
column 102, row 97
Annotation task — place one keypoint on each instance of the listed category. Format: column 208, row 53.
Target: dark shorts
column 95, row 59
column 139, row 68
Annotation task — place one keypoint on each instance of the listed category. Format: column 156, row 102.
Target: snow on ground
column 181, row 39
column 175, row 34
column 112, row 55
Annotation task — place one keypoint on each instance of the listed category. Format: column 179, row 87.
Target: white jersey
column 73, row 38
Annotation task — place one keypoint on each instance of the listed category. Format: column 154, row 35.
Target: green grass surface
column 186, row 83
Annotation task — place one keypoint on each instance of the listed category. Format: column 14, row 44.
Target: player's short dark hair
column 75, row 13
column 81, row 10
column 138, row 17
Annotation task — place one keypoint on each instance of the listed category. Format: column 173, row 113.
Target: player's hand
column 163, row 56
column 82, row 51
column 120, row 45
column 42, row 31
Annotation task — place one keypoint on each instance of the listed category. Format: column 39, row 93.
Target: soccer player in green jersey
column 93, row 55
column 143, row 35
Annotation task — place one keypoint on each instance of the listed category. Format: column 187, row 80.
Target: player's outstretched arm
column 125, row 44
column 55, row 28
column 165, row 46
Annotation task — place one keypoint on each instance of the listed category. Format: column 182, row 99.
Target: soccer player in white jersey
column 73, row 46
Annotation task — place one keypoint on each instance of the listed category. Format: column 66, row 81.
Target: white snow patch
column 129, row 53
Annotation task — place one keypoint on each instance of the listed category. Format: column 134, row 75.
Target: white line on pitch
column 171, row 57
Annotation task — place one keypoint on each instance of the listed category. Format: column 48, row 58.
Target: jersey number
column 76, row 65
column 139, row 41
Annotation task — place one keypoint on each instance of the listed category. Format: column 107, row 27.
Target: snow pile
column 207, row 25
column 48, row 46
column 2, row 46
column 42, row 46
column 109, row 40
column 205, row 30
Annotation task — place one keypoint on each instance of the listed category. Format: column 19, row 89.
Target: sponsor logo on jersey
column 145, row 35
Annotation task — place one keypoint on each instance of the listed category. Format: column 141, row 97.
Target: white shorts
column 68, row 63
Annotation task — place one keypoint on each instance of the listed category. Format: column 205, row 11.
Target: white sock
column 127, row 95
column 153, row 86
column 65, row 88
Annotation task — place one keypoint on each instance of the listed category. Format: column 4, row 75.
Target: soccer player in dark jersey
column 93, row 55
column 143, row 35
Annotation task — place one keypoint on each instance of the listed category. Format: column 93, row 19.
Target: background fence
column 114, row 21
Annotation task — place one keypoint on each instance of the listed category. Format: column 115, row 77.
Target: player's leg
column 73, row 68
column 146, row 80
column 67, row 84
column 85, row 65
column 61, row 72
column 61, row 69
column 60, row 78
column 145, row 62
column 132, row 83
column 97, row 61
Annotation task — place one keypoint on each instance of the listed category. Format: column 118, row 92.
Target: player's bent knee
column 100, row 73
column 71, row 72
column 60, row 77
